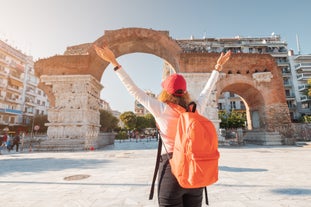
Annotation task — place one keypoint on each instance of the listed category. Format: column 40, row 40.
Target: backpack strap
column 192, row 106
column 206, row 196
column 156, row 168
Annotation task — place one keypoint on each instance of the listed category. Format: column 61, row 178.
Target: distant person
column 174, row 90
column 4, row 140
column 9, row 142
column 16, row 141
column 22, row 141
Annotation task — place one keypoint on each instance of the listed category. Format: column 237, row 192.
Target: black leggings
column 170, row 193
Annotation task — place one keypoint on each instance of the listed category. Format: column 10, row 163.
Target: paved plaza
column 120, row 175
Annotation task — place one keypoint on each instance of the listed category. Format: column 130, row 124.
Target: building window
column 12, row 120
column 305, row 105
column 242, row 105
column 220, row 106
column 287, row 92
column 232, row 105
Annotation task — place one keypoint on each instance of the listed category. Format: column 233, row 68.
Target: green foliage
column 121, row 135
column 108, row 122
column 140, row 123
column 232, row 120
column 151, row 123
column 306, row 119
column 146, row 121
column 129, row 119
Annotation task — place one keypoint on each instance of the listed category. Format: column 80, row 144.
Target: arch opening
column 246, row 98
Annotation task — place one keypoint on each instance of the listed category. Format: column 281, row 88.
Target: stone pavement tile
column 121, row 175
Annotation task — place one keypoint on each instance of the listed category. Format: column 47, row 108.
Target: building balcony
column 303, row 65
column 290, row 97
column 4, row 61
column 32, row 83
column 30, row 103
column 17, row 66
column 292, row 107
column 282, row 63
column 305, row 98
column 16, row 81
column 31, row 93
column 303, row 68
column 13, row 100
column 287, row 84
column 304, row 111
column 303, row 87
column 28, row 113
column 286, row 72
column 14, row 89
column 303, row 76
column 4, row 73
column 278, row 54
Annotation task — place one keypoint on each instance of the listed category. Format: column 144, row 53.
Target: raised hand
column 222, row 60
column 106, row 54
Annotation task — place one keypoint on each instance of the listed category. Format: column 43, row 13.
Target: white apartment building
column 20, row 99
column 301, row 73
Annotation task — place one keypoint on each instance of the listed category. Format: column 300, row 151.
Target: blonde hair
column 183, row 100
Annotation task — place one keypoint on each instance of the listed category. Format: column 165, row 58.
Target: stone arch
column 132, row 40
column 82, row 59
column 255, row 77
column 260, row 84
column 72, row 81
column 252, row 97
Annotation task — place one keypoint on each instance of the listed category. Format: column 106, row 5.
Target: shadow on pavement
column 47, row 164
column 73, row 183
column 293, row 191
column 239, row 169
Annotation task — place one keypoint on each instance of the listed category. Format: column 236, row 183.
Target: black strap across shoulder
column 156, row 168
column 192, row 106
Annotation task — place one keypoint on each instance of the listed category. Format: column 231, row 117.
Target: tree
column 146, row 121
column 151, row 123
column 41, row 120
column 141, row 123
column 108, row 122
column 129, row 119
column 233, row 119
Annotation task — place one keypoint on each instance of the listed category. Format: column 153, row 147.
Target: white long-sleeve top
column 165, row 116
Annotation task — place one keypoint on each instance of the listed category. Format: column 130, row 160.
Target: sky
column 44, row 28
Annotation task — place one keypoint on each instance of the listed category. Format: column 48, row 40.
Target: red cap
column 173, row 83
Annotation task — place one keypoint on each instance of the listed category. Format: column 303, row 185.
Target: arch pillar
column 74, row 119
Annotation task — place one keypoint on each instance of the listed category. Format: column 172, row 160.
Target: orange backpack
column 195, row 155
